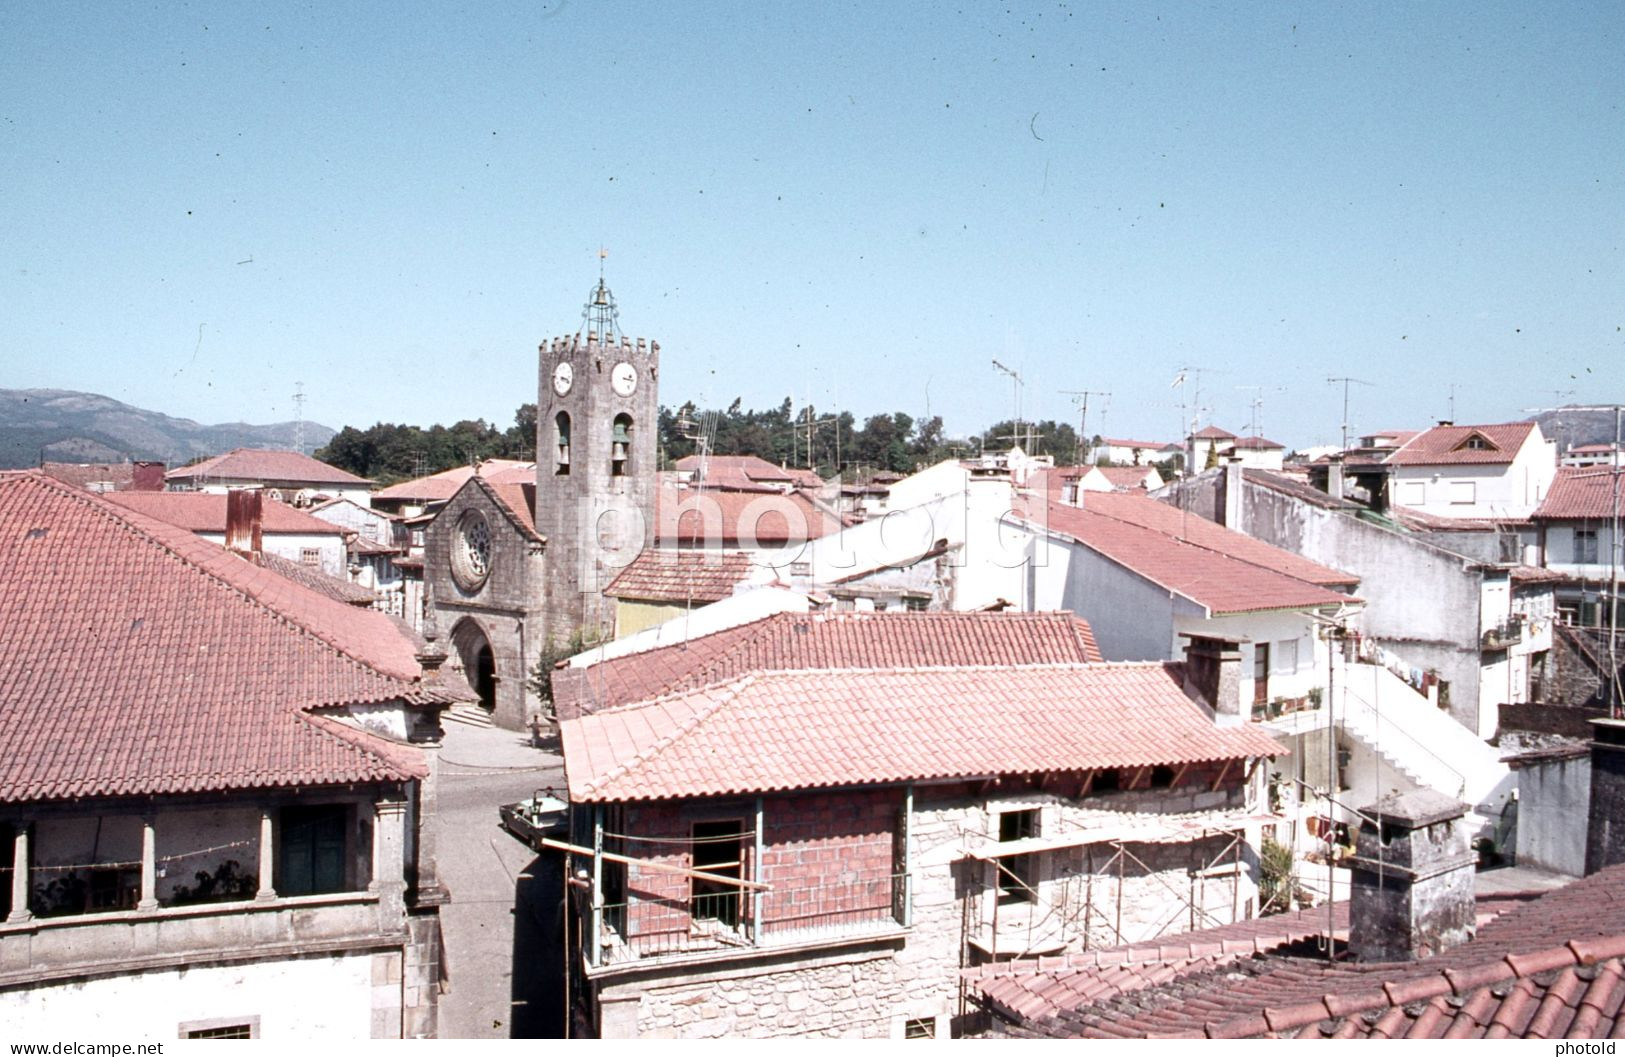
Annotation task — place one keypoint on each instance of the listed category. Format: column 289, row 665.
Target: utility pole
column 1081, row 397
column 1346, row 382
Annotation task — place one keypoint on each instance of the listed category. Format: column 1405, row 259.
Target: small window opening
column 920, row 1028
column 228, row 1031
column 1106, row 781
column 310, row 556
column 1018, row 874
column 1162, row 777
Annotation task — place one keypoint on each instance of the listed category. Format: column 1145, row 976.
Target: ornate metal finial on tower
column 600, row 319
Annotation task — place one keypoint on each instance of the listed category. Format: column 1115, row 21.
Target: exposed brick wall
column 829, row 858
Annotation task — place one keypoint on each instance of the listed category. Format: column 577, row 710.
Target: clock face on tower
column 623, row 379
column 563, row 376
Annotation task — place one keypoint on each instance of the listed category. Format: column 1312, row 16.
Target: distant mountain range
column 64, row 426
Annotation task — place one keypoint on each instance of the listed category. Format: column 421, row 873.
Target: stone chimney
column 1231, row 498
column 1213, row 673
column 1411, row 879
column 243, row 520
column 1605, row 819
column 1334, row 477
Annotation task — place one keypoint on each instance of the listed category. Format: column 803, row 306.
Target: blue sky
column 861, row 205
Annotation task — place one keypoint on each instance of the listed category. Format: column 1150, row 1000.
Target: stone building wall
column 858, row 987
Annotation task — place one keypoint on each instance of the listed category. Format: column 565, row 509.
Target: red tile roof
column 439, row 487
column 1445, row 445
column 280, row 467
column 1119, row 442
column 802, row 641
column 1548, row 968
column 206, row 512
column 1257, row 444
column 1127, row 476
column 1212, row 433
column 1583, row 492
column 318, row 581
column 123, row 476
column 137, row 659
column 747, row 473
column 700, row 577
column 773, row 731
column 519, row 498
column 715, row 518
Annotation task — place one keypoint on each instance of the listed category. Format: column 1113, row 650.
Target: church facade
column 517, row 569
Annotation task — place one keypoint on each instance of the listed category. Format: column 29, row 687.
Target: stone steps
column 468, row 716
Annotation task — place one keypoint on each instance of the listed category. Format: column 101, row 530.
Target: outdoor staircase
column 1423, row 743
column 467, row 715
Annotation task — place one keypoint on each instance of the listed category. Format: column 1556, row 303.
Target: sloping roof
column 1212, row 433
column 1120, row 442
column 206, row 512
column 123, row 476
column 1027, row 990
column 318, row 581
column 1127, row 476
column 680, row 576
column 1582, row 492
column 1257, row 444
column 1549, row 968
column 519, row 498
column 747, row 473
column 803, row 641
column 714, row 517
column 253, row 464
column 1446, row 445
column 1214, row 580
column 772, row 731
column 1297, row 488
column 439, row 487
column 137, row 659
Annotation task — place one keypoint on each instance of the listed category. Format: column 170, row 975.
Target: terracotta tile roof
column 1446, row 445
column 700, row 577
column 136, row 659
column 1257, row 444
column 1127, row 476
column 1299, row 489
column 123, row 476
column 519, row 498
column 1585, row 492
column 716, row 518
column 1213, row 433
column 253, row 464
column 318, row 581
column 1119, row 442
column 772, row 731
column 439, row 487
column 1170, row 520
column 1548, row 968
column 802, row 641
column 747, row 473
column 206, row 512
column 1025, row 990
column 1221, row 570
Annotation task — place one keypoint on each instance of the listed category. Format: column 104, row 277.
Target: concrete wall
column 310, row 999
column 1507, row 490
column 1133, row 619
column 1554, row 796
column 1422, row 602
column 292, row 546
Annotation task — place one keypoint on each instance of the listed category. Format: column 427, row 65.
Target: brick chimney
column 1605, row 819
column 243, row 519
column 1411, row 879
column 1213, row 673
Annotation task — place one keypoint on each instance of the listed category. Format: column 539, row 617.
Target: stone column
column 149, row 864
column 267, row 857
column 388, row 861
column 19, row 876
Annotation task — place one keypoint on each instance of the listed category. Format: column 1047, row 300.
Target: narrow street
column 502, row 927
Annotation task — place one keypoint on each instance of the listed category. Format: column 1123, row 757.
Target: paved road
column 502, row 926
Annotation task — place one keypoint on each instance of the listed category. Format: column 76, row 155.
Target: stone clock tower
column 596, row 422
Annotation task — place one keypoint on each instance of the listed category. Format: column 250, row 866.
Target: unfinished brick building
column 818, row 852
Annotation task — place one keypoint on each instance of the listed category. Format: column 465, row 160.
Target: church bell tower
column 597, row 412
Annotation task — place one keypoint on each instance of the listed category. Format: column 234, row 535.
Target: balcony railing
column 1504, row 635
column 719, row 922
